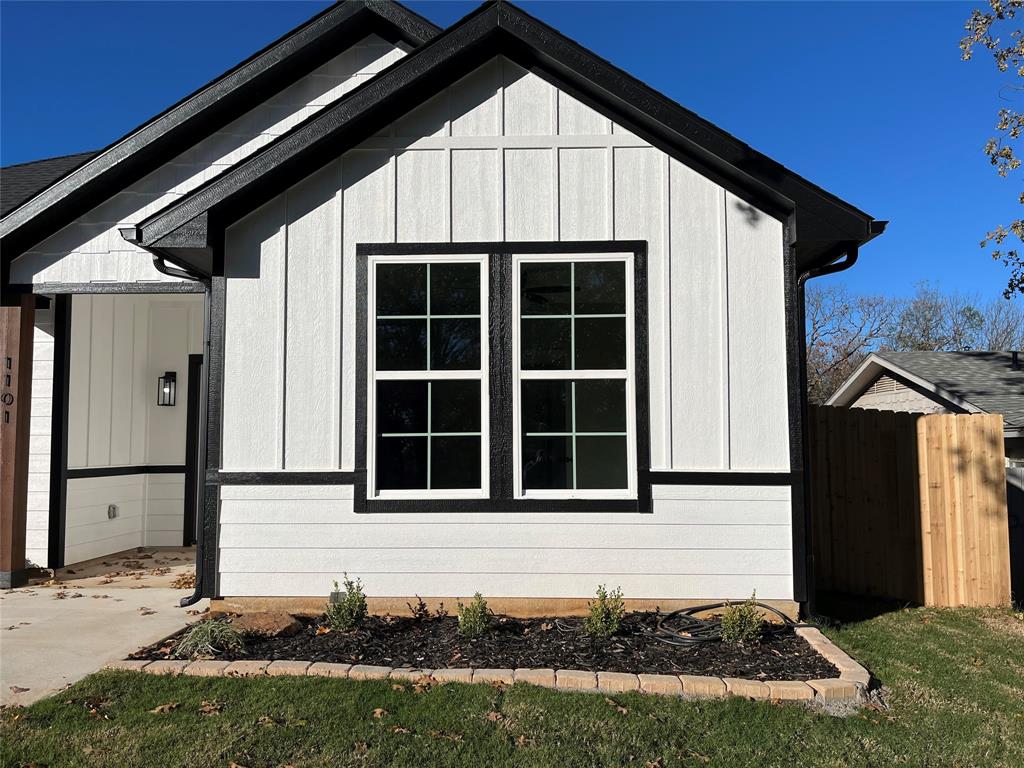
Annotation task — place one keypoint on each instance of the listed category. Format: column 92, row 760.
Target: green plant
column 209, row 638
column 742, row 624
column 606, row 613
column 475, row 618
column 346, row 610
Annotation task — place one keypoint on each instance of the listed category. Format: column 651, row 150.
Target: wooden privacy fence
column 909, row 506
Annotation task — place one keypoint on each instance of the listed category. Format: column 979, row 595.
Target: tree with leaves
column 995, row 30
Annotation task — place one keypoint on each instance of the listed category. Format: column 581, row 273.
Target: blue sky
column 869, row 100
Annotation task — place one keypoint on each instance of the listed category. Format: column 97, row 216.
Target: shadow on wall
column 1015, row 511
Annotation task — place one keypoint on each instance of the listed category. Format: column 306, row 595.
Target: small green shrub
column 209, row 638
column 347, row 611
column 606, row 613
column 742, row 624
column 475, row 618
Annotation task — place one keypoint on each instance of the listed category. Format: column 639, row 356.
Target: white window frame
column 628, row 374
column 373, row 376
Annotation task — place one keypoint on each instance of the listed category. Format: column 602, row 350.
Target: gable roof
column 825, row 225
column 22, row 181
column 972, row 381
column 203, row 112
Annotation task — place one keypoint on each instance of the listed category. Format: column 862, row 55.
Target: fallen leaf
column 19, row 689
column 399, row 729
column 618, row 707
column 658, row 763
column 322, row 630
column 266, row 720
column 379, row 712
column 494, row 716
column 211, row 707
column 397, row 687
column 523, row 741
column 146, row 611
column 456, row 737
column 163, row 709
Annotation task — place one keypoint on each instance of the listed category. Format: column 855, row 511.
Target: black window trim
column 500, row 328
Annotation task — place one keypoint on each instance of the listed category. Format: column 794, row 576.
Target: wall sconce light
column 166, row 386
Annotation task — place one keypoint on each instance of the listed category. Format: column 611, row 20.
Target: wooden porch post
column 17, row 323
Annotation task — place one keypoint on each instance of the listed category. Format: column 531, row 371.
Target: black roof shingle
column 22, row 181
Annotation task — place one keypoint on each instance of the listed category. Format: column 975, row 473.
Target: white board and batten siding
column 503, row 155
column 40, row 428
column 120, row 344
column 91, row 249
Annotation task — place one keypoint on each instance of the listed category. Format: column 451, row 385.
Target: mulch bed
column 434, row 643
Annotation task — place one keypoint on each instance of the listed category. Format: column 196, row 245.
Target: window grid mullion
column 573, row 406
column 430, row 392
column 428, row 366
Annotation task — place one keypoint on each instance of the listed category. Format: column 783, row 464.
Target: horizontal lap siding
column 92, row 250
column 707, row 541
column 90, row 533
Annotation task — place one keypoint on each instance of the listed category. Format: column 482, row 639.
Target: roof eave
column 212, row 106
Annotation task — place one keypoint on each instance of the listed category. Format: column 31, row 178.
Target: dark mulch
column 539, row 643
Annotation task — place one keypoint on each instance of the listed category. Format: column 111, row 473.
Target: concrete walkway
column 56, row 631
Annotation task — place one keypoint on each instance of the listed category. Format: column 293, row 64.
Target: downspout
column 850, row 251
column 131, row 234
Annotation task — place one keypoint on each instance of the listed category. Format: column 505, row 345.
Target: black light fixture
column 166, row 386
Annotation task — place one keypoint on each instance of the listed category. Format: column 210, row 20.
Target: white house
column 466, row 310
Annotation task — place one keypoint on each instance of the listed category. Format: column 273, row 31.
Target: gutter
column 131, row 234
column 833, row 265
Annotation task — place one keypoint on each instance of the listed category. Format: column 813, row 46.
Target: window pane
column 600, row 405
column 600, row 343
column 401, row 345
column 455, row 289
column 401, row 463
column 401, row 406
column 547, row 462
column 546, row 344
column 600, row 288
column 455, row 462
column 545, row 288
column 601, row 462
column 546, row 406
column 455, row 345
column 401, row 289
column 455, row 406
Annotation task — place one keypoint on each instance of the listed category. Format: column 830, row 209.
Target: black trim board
column 137, row 469
column 55, row 536
column 205, row 111
column 503, row 29
column 499, row 380
column 193, row 473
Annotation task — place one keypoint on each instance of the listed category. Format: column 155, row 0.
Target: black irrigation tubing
column 683, row 628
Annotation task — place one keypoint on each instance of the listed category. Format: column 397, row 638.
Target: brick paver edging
column 849, row 688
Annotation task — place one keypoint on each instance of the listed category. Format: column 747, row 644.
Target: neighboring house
column 942, row 382
column 450, row 311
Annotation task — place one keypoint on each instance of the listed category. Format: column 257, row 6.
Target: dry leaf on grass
column 618, row 707
column 399, row 729
column 494, row 716
column 523, row 741
column 456, row 737
column 267, row 721
column 163, row 709
column 380, row 712
column 211, row 707
column 397, row 687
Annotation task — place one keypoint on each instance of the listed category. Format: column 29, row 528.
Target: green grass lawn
column 956, row 681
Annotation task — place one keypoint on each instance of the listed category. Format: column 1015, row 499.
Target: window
column 573, row 377
column 428, row 399
column 506, row 378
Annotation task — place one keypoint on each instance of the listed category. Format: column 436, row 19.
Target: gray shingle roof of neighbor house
column 973, row 381
column 201, row 113
column 22, row 181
